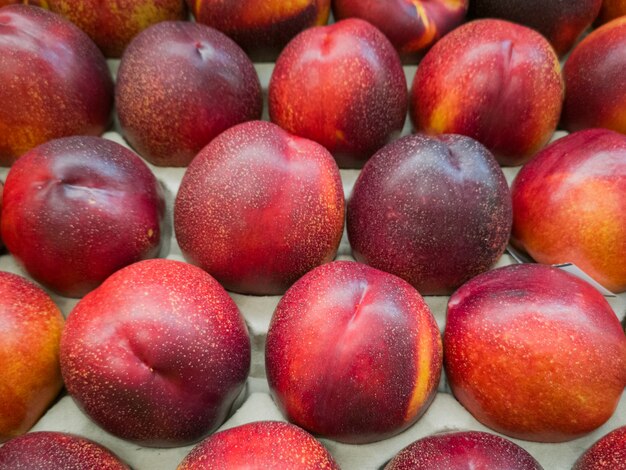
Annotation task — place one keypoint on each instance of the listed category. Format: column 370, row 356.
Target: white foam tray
column 255, row 402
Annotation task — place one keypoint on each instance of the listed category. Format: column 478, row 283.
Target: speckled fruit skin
column 263, row 445
column 54, row 82
column 412, row 26
column 57, row 450
column 463, row 451
column 582, row 174
column 612, row 9
column 609, row 453
column 261, row 27
column 534, row 353
column 342, row 86
column 353, row 353
column 594, row 80
column 30, row 378
column 112, row 24
column 78, row 209
column 560, row 21
column 157, row 354
column 435, row 211
column 181, row 84
column 494, row 81
column 258, row 208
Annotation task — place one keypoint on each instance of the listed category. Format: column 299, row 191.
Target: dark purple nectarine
column 435, row 211
column 179, row 85
column 78, row 209
column 56, row 450
column 469, row 450
column 608, row 453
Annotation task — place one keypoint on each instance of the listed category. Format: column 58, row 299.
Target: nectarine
column 30, row 378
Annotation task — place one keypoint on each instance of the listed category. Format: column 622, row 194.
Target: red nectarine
column 560, row 21
column 534, row 353
column 569, row 205
column 157, row 354
column 412, row 26
column 494, row 81
column 353, row 353
column 258, row 208
column 594, row 80
column 263, row 445
column 342, row 86
column 54, row 82
column 261, row 27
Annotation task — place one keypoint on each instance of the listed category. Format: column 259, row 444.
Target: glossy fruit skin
column 608, row 453
column 611, row 9
column 258, row 208
column 48, row 450
column 123, row 344
column 30, row 378
column 582, row 174
column 596, row 91
column 527, row 344
column 352, row 353
column 481, row 79
column 179, row 85
column 54, row 82
column 435, row 211
column 356, row 100
column 462, row 451
column 560, row 21
column 261, row 27
column 262, row 445
column 412, row 26
column 78, row 209
column 112, row 24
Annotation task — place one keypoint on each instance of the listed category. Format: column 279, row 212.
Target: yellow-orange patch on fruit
column 144, row 14
column 423, row 368
column 442, row 116
column 323, row 14
column 430, row 29
column 455, row 4
column 29, row 367
column 617, row 120
column 254, row 13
